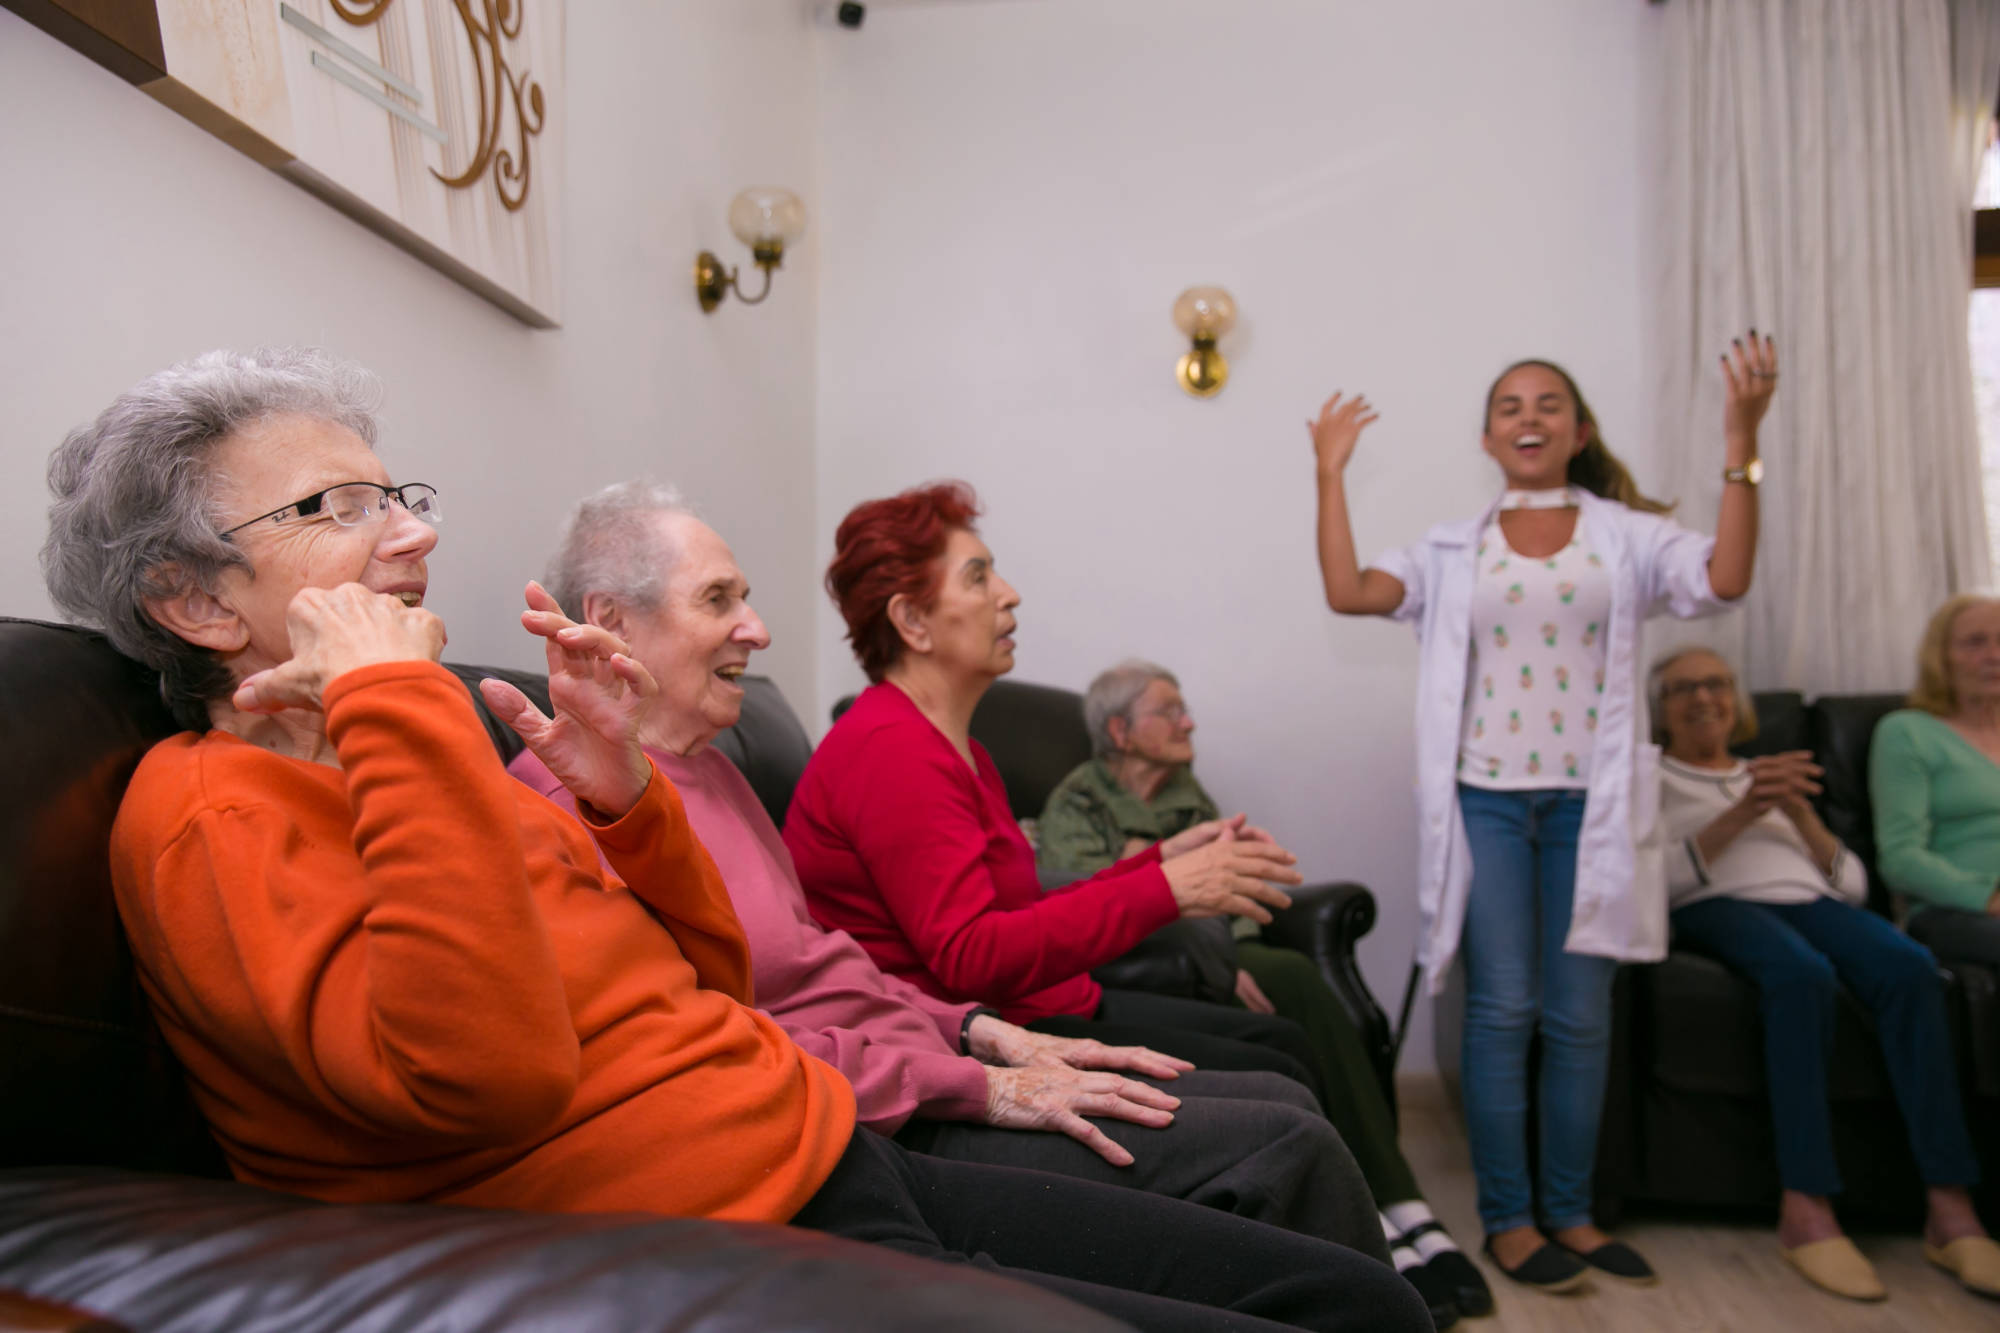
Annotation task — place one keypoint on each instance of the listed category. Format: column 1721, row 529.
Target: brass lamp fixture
column 765, row 218
column 1204, row 314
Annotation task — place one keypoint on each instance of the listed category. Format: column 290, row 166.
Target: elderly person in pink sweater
column 947, row 1079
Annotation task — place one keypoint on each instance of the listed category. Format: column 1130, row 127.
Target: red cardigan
column 918, row 857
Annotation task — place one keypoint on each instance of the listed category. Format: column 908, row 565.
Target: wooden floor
column 1717, row 1277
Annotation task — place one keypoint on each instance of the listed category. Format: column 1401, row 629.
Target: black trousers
column 1245, row 1141
column 1213, row 1036
column 1156, row 1263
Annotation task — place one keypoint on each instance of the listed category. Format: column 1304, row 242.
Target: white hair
column 611, row 543
column 133, row 516
column 1112, row 694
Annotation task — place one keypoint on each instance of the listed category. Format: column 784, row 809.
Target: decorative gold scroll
column 486, row 33
column 359, row 14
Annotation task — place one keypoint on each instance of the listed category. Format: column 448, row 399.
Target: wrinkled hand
column 598, row 694
column 1231, row 876
column 1200, row 835
column 1252, row 995
column 997, row 1041
column 1337, row 430
column 333, row 631
column 1058, row 1099
column 1751, row 371
column 1786, row 781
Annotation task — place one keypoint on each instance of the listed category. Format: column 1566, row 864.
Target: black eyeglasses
column 353, row 504
column 1685, row 689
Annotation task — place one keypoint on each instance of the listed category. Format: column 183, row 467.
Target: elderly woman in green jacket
column 1140, row 789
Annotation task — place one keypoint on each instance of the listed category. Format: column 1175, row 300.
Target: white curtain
column 1820, row 157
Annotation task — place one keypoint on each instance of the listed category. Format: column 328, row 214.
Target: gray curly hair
column 611, row 544
column 134, row 517
column 1113, row 693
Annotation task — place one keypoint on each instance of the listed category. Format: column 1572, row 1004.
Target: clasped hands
column 1786, row 781
column 597, row 692
column 1227, row 867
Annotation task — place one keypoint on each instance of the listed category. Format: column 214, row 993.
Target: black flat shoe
column 1550, row 1268
column 1468, row 1288
column 1436, row 1293
column 1469, row 1291
column 1620, row 1261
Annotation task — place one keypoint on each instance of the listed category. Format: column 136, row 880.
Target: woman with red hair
column 903, row 838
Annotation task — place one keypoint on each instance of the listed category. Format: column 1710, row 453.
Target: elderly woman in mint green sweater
column 1934, row 779
column 1141, row 789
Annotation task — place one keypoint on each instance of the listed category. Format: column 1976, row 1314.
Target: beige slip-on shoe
column 1973, row 1260
column 1835, row 1265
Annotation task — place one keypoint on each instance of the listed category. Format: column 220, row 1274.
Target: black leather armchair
column 1036, row 736
column 1687, row 1112
column 113, row 1198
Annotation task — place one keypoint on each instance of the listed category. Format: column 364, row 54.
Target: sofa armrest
column 1324, row 923
column 25, row 1314
column 176, row 1254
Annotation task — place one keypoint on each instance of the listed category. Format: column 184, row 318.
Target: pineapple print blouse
column 1537, row 664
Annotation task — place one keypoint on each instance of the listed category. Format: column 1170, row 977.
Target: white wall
column 134, row 239
column 1402, row 198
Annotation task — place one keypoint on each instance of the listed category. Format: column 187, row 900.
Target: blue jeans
column 1518, row 979
column 1797, row 957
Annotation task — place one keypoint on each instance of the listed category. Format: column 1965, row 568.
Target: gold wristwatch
column 1749, row 474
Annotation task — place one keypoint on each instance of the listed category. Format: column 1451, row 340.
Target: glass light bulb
column 766, row 215
column 1205, row 312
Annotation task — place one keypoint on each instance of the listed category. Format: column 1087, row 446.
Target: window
column 1984, row 332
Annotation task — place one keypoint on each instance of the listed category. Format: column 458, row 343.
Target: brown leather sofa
column 113, row 1198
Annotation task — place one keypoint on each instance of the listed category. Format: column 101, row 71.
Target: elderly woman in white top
column 1758, row 882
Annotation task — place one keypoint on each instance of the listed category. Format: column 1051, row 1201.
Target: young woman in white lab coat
column 1538, row 786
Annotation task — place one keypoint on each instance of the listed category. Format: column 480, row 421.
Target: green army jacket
column 1089, row 817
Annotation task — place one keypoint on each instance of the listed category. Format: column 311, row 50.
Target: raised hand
column 997, row 1041
column 1337, row 429
column 1059, row 1098
column 333, row 631
column 599, row 696
column 1750, row 370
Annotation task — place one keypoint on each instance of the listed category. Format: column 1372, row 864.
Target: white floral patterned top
column 1537, row 665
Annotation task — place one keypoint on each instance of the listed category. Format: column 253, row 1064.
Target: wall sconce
column 1204, row 314
column 764, row 218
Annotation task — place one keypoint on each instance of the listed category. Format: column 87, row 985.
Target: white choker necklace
column 1558, row 499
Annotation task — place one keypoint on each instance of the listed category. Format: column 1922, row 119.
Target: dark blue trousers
column 1797, row 957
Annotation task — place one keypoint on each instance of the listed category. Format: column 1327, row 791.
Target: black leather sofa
column 1036, row 735
column 113, row 1198
column 1687, row 1116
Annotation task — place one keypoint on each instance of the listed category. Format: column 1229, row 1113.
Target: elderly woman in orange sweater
column 395, row 974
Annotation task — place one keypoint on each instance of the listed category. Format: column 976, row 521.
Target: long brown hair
column 1594, row 467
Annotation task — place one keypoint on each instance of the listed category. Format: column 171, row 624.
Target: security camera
column 849, row 13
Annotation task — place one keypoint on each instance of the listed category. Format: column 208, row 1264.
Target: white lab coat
column 1620, row 907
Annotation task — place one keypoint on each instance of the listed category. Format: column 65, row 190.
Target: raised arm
column 1350, row 589
column 1750, row 372
column 402, row 971
column 391, row 960
column 597, row 694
